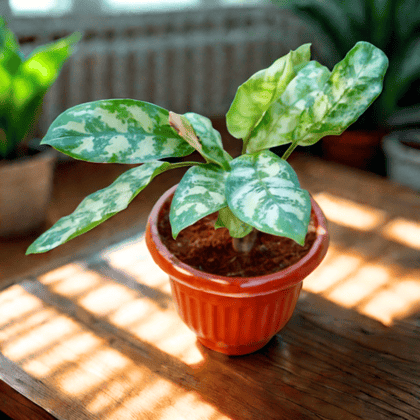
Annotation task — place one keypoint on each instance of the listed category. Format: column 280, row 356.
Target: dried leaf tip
column 183, row 127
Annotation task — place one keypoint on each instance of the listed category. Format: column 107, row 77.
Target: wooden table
column 91, row 332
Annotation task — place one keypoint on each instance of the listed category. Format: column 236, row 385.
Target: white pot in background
column 402, row 152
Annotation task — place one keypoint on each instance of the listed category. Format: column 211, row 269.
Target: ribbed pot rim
column 238, row 286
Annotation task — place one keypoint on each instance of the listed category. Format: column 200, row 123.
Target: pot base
column 240, row 350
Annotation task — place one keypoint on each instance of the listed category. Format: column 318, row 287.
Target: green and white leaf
column 355, row 83
column 99, row 206
column 116, row 130
column 200, row 192
column 279, row 123
column 237, row 228
column 255, row 96
column 305, row 114
column 198, row 131
column 263, row 191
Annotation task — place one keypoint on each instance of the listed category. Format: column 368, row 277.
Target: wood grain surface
column 91, row 332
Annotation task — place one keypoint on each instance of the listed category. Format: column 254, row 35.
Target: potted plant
column 237, row 205
column 394, row 27
column 402, row 150
column 25, row 172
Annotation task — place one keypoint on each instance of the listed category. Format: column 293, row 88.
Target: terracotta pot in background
column 234, row 315
column 355, row 148
column 25, row 190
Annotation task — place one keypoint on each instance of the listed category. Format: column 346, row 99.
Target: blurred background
column 191, row 55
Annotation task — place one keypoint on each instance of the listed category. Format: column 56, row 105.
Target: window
column 31, row 7
column 59, row 7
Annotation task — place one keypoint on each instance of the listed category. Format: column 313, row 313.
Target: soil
column 210, row 250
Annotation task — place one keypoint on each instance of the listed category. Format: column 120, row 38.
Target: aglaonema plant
column 295, row 101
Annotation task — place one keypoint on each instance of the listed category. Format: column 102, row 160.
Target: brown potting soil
column 210, row 250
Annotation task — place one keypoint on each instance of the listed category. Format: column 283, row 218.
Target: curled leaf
column 198, row 132
column 255, row 96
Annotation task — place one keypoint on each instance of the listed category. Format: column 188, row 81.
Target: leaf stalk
column 289, row 151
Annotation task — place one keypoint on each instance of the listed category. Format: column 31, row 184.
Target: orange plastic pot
column 234, row 315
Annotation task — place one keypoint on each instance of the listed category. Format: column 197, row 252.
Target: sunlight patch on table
column 336, row 267
column 25, row 323
column 94, row 371
column 127, row 309
column 62, row 355
column 182, row 344
column 360, row 286
column 16, row 303
column 188, row 407
column 145, row 400
column 40, row 338
column 349, row 213
column 396, row 302
column 107, row 298
column 133, row 258
column 114, row 392
column 133, row 312
column 70, row 280
column 403, row 231
column 125, row 253
column 377, row 288
column 162, row 329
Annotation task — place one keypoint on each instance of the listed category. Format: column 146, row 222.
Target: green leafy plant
column 391, row 25
column 23, row 85
column 294, row 101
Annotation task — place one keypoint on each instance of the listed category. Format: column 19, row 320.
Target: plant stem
column 183, row 164
column 245, row 244
column 289, row 151
column 245, row 141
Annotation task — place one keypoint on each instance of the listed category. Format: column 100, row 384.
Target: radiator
column 182, row 61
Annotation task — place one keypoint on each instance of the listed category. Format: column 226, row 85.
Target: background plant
column 391, row 25
column 295, row 101
column 24, row 83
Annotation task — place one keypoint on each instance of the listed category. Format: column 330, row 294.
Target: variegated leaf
column 255, row 96
column 200, row 192
column 263, row 191
column 116, row 130
column 355, row 83
column 99, row 206
column 317, row 103
column 237, row 228
column 283, row 117
column 198, row 131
